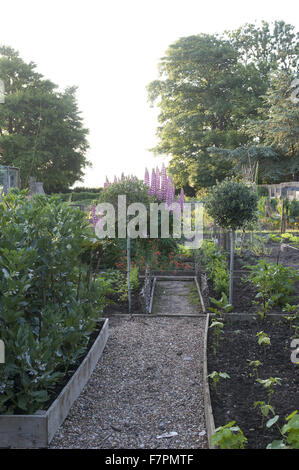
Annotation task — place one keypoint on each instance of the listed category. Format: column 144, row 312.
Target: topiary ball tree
column 232, row 204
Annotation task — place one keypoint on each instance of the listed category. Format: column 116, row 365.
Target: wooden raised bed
column 37, row 431
column 236, row 396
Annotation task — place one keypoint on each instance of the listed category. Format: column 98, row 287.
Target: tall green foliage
column 209, row 87
column 41, row 130
column 232, row 204
column 48, row 305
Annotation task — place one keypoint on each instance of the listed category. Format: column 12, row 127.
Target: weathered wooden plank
column 23, row 431
column 37, row 431
column 61, row 406
column 152, row 295
column 210, row 424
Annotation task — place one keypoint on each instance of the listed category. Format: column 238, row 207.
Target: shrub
column 213, row 261
column 48, row 305
column 232, row 204
column 274, row 282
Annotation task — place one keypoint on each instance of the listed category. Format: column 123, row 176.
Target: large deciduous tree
column 209, row 87
column 41, row 130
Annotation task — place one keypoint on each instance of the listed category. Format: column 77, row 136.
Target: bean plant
column 289, row 432
column 274, row 283
column 216, row 376
column 269, row 385
column 229, row 436
column 49, row 302
column 263, row 340
column 254, row 365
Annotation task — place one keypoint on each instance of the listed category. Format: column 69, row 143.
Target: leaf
column 276, row 445
column 272, row 421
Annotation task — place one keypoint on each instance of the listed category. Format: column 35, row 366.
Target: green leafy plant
column 217, row 327
column 289, row 432
column 265, row 409
column 229, row 437
column 274, row 283
column 269, row 385
column 213, row 262
column 49, row 301
column 263, row 340
column 232, row 204
column 223, row 305
column 255, row 365
column 216, row 376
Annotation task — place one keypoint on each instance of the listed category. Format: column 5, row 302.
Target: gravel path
column 147, row 383
column 173, row 298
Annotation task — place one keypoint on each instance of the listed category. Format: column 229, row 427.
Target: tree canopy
column 210, row 86
column 41, row 130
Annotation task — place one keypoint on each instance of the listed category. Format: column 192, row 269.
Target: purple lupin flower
column 94, row 217
column 153, row 187
column 170, row 192
column 146, row 178
column 157, row 181
column 182, row 199
column 163, row 182
column 106, row 183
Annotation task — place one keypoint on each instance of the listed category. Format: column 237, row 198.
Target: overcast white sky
column 110, row 50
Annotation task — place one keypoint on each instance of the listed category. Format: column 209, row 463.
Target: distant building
column 289, row 190
column 9, row 178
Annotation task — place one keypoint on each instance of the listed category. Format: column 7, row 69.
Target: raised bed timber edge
column 37, row 431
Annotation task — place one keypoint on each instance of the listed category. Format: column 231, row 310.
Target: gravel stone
column 140, row 387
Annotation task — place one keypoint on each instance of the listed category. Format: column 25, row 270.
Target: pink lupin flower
column 163, row 182
column 182, row 199
column 153, row 187
column 157, row 181
column 106, row 183
column 146, row 178
column 169, row 192
column 94, row 217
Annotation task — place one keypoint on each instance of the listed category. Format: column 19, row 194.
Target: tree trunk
column 231, row 268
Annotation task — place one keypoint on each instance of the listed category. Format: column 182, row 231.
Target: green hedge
column 49, row 305
column 214, row 262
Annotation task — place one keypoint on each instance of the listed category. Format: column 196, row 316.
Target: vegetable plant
column 217, row 327
column 232, row 204
column 254, row 365
column 216, row 376
column 289, row 433
column 269, row 385
column 265, row 409
column 263, row 340
column 49, row 302
column 229, row 436
column 213, row 262
column 274, row 283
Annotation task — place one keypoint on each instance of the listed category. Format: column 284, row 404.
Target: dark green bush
column 294, row 208
column 213, row 261
column 49, row 302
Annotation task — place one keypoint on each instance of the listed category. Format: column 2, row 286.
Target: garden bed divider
column 37, row 430
column 209, row 418
column 152, row 296
column 200, row 295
